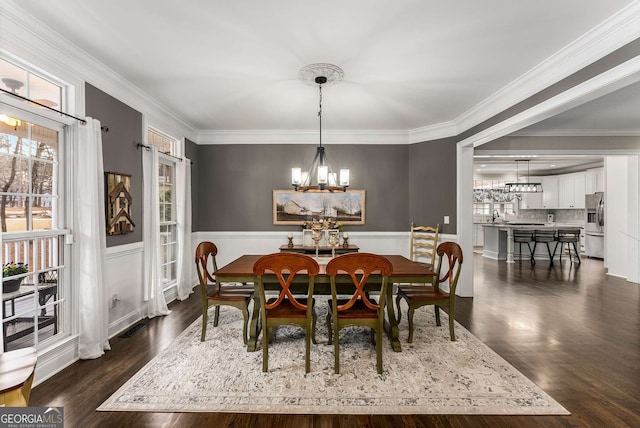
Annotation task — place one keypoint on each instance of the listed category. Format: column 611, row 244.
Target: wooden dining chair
column 424, row 240
column 216, row 294
column 359, row 309
column 286, row 309
column 420, row 295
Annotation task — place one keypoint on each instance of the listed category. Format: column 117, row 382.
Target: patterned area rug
column 431, row 376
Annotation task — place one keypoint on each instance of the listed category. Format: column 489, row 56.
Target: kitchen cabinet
column 571, row 190
column 594, row 180
column 550, row 192
column 531, row 201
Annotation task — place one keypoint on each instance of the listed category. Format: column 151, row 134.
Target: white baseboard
column 53, row 360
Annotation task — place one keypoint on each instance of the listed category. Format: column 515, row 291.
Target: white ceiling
column 409, row 64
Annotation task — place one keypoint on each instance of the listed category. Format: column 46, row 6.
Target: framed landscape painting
column 291, row 207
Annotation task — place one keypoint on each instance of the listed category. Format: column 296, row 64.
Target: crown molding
column 433, row 132
column 611, row 34
column 35, row 42
column 577, row 133
column 418, row 135
column 301, row 137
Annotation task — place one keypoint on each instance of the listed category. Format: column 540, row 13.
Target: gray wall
column 119, row 151
column 191, row 152
column 232, row 185
column 432, row 183
column 236, row 183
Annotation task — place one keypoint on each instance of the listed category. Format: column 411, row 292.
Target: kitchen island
column 499, row 245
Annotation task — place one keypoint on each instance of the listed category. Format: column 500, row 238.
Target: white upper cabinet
column 550, row 192
column 571, row 190
column 594, row 180
column 531, row 201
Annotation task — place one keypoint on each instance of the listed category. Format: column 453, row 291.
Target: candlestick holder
column 290, row 244
column 345, row 242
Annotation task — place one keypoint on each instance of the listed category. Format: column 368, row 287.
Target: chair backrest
column 453, row 253
column 568, row 235
column 359, row 267
column 522, row 235
column 545, row 235
column 424, row 240
column 285, row 266
column 206, row 264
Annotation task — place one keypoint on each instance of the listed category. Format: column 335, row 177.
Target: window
column 166, row 194
column 28, row 158
column 32, row 216
column 38, row 88
column 33, row 298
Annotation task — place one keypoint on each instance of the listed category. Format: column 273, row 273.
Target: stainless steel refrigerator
column 594, row 229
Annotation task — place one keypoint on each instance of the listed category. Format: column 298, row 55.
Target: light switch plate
column 446, row 219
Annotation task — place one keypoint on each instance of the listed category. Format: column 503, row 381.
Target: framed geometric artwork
column 291, row 207
column 118, row 203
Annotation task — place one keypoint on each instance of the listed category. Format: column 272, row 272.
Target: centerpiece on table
column 8, row 271
column 319, row 228
column 323, row 224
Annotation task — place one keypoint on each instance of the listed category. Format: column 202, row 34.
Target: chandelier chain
column 320, row 112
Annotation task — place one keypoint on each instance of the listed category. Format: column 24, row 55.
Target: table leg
column 254, row 326
column 390, row 324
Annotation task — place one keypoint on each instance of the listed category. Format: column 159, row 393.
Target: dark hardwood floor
column 571, row 329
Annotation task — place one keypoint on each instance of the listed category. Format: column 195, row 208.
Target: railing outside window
column 32, row 309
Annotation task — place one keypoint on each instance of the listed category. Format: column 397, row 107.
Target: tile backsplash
column 572, row 215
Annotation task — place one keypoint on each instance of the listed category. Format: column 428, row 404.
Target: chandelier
column 525, row 187
column 319, row 177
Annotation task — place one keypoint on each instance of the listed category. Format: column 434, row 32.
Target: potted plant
column 9, row 270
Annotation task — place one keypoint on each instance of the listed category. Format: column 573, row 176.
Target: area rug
column 431, row 376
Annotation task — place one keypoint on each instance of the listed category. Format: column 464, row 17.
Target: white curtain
column 185, row 256
column 89, row 232
column 153, row 292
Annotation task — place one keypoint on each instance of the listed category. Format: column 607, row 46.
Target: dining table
column 404, row 271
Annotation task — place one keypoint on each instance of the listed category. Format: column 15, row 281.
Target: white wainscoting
column 124, row 277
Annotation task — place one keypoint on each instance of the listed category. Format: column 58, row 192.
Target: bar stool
column 524, row 236
column 545, row 236
column 571, row 237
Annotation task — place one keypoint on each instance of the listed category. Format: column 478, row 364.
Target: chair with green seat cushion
column 215, row 294
column 417, row 296
column 359, row 309
column 286, row 309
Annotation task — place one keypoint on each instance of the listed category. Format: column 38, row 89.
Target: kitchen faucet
column 496, row 215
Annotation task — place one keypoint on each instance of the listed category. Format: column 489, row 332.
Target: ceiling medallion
column 309, row 73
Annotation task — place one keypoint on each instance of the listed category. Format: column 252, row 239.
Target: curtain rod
column 138, row 145
column 84, row 122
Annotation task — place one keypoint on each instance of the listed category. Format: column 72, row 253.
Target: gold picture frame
column 291, row 207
